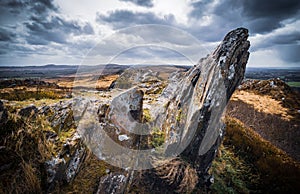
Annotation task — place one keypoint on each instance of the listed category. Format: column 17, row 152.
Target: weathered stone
column 200, row 99
column 62, row 119
column 134, row 76
column 64, row 167
column 44, row 110
column 112, row 183
column 126, row 112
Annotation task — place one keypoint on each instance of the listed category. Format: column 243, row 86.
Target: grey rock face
column 112, row 183
column 63, row 168
column 134, row 76
column 65, row 164
column 195, row 109
column 62, row 119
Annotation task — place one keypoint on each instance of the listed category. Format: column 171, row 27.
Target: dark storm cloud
column 34, row 6
column 125, row 18
column 199, row 8
column 260, row 16
column 144, row 3
column 280, row 40
column 222, row 18
column 290, row 53
column 265, row 8
column 7, row 35
column 55, row 29
column 289, row 38
column 40, row 22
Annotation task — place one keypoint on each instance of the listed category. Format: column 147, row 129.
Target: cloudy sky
column 38, row 32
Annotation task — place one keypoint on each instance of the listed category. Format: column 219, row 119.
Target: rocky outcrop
column 70, row 152
column 195, row 109
column 163, row 135
column 62, row 119
column 112, row 183
column 63, row 168
column 187, row 116
column 134, row 76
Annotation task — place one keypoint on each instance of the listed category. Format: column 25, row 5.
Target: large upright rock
column 192, row 119
column 199, row 101
column 189, row 114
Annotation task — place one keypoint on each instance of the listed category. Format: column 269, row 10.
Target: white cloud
column 178, row 8
column 209, row 21
column 289, row 33
column 265, row 58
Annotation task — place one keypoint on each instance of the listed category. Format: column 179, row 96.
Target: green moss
column 146, row 115
column 161, row 88
column 157, row 137
column 179, row 115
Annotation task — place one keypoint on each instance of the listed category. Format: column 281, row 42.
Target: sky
column 39, row 32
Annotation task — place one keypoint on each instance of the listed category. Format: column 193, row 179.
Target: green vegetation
column 146, row 115
column 157, row 137
column 248, row 163
column 294, row 84
column 20, row 95
column 179, row 115
column 231, row 173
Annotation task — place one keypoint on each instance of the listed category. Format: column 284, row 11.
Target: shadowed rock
column 28, row 111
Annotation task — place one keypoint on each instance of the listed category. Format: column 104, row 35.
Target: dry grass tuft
column 25, row 149
column 177, row 173
column 31, row 180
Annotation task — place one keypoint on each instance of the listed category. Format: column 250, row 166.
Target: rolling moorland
column 259, row 154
